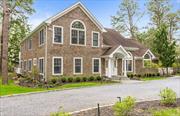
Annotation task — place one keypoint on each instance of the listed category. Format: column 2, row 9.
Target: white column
column 125, row 73
column 109, row 68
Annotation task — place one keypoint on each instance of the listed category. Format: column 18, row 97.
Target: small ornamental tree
column 164, row 47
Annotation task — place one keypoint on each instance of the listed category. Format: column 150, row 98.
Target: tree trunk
column 167, row 73
column 5, row 28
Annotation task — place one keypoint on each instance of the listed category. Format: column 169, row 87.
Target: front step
column 118, row 77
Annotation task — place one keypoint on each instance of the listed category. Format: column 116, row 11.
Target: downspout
column 46, row 56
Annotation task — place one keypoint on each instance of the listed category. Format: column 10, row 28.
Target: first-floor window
column 29, row 65
column 96, row 65
column 41, row 65
column 57, row 65
column 78, row 65
column 129, row 65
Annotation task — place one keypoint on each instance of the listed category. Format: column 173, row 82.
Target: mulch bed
column 140, row 109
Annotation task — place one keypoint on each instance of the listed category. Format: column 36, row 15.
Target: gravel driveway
column 42, row 104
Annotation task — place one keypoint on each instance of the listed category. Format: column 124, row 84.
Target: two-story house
column 73, row 42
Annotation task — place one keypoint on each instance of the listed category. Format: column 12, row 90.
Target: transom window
column 57, row 65
column 41, row 37
column 77, row 65
column 78, row 33
column 96, row 65
column 95, row 39
column 57, row 34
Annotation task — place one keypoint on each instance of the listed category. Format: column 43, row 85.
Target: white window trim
column 39, row 38
column 53, row 66
column 79, row 30
column 62, row 34
column 31, row 65
column 131, row 65
column 98, row 38
column 99, row 65
column 74, row 65
column 43, row 65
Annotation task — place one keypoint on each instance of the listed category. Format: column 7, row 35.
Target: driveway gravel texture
column 42, row 104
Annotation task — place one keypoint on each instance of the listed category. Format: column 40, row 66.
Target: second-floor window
column 95, row 39
column 78, row 34
column 41, row 37
column 57, row 34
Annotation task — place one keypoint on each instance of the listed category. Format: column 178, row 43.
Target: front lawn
column 151, row 78
column 11, row 88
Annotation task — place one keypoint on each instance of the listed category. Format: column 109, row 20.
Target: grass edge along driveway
column 11, row 88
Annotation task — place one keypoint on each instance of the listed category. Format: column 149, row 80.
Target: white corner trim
column 93, row 65
column 74, row 65
column 92, row 37
column 45, row 64
column 78, row 33
column 62, row 65
column 62, row 35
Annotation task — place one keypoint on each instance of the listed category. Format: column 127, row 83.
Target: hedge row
column 143, row 75
column 55, row 80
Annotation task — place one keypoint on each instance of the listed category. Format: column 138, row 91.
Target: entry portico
column 111, row 62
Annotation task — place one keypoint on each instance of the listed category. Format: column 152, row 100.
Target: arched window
column 78, row 33
column 147, row 60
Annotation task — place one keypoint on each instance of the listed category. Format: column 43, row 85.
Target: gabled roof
column 114, row 39
column 84, row 9
column 67, row 10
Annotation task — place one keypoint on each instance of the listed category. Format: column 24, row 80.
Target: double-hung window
column 57, row 66
column 41, row 65
column 41, row 37
column 129, row 65
column 96, row 65
column 78, row 65
column 57, row 34
column 95, row 39
column 25, row 64
column 78, row 34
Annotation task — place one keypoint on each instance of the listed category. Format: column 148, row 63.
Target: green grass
column 11, row 88
column 151, row 78
column 167, row 112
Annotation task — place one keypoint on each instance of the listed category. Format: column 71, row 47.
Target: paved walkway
column 42, row 104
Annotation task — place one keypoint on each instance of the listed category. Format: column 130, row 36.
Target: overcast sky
column 101, row 9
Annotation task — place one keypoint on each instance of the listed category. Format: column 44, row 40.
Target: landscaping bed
column 146, row 108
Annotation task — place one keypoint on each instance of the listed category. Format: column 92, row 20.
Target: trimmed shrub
column 150, row 74
column 98, row 78
column 91, row 78
column 138, row 75
column 167, row 112
column 77, row 79
column 153, row 75
column 54, row 80
column 158, row 74
column 70, row 79
column 60, row 114
column 122, row 108
column 63, row 79
column 168, row 96
column 84, row 79
column 131, row 76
